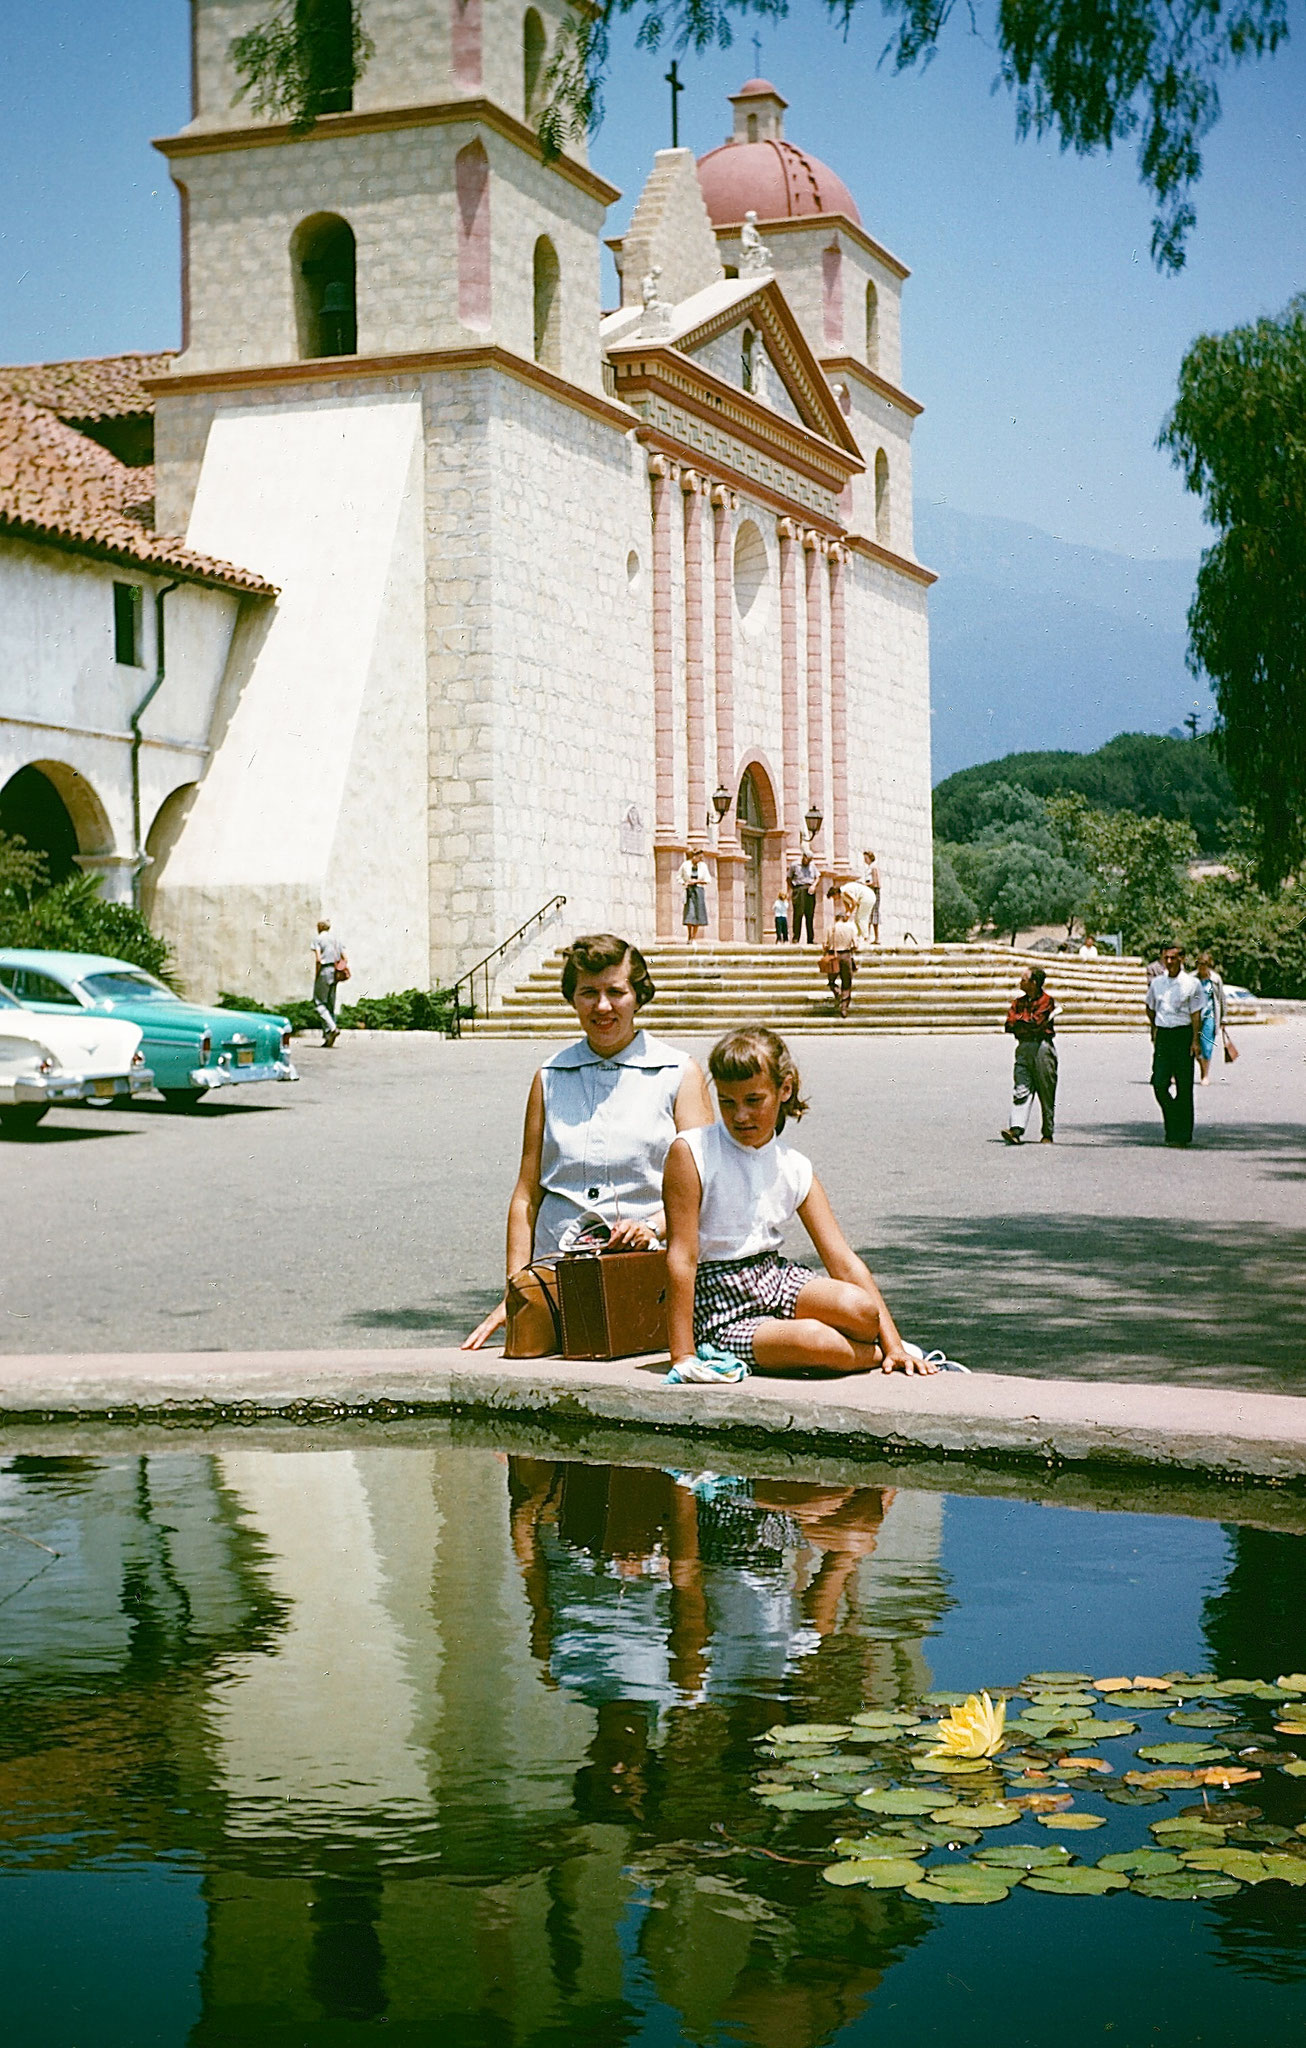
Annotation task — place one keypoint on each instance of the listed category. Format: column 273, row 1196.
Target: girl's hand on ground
column 496, row 1319
column 902, row 1361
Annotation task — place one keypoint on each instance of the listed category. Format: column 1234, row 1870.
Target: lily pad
column 1084, row 1881
column 1166, row 1778
column 1058, row 1678
column 1290, row 1727
column 1297, row 1770
column 1201, row 1717
column 864, row 1736
column 945, row 1699
column 953, row 1766
column 1294, row 1682
column 796, row 1800
column 1065, row 1699
column 1183, row 1752
column 885, row 1717
column 1132, row 1795
column 1141, row 1862
column 999, row 1813
column 1136, row 1700
column 963, row 1884
column 809, row 1731
column 1023, row 1855
column 1107, row 1730
column 846, row 1783
column 1249, row 1866
column 881, row 1875
column 1187, row 1884
column 898, row 1799
column 1072, row 1823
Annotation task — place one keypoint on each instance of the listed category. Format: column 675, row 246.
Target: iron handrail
column 483, row 967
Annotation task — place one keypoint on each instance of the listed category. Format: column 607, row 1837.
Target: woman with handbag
column 1212, row 986
column 601, row 1116
column 839, row 953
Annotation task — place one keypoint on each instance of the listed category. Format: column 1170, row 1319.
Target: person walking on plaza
column 871, row 881
column 1032, row 1022
column 780, row 912
column 330, row 968
column 804, row 877
column 1174, row 1013
column 694, row 879
column 1212, row 987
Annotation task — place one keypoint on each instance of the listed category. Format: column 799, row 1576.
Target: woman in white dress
column 694, row 878
column 601, row 1116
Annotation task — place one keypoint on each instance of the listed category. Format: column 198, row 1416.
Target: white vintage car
column 49, row 1060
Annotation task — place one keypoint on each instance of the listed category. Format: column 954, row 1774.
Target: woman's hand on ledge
column 496, row 1319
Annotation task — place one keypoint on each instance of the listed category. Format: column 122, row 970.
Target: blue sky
column 1037, row 334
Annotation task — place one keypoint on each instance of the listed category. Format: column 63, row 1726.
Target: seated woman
column 601, row 1117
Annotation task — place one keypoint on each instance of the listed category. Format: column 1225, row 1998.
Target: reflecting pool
column 424, row 1742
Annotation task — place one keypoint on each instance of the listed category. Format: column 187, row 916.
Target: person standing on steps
column 1031, row 1020
column 694, row 878
column 871, row 881
column 330, row 968
column 1175, row 1002
column 780, row 912
column 804, row 879
column 840, row 949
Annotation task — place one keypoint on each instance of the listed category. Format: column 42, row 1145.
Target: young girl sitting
column 729, row 1191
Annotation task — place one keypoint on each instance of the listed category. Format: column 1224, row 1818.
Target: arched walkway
column 56, row 811
column 160, row 840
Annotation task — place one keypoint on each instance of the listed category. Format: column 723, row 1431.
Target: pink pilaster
column 792, row 821
column 695, row 718
column 729, row 877
column 838, row 712
column 465, row 39
column 814, row 561
column 664, row 787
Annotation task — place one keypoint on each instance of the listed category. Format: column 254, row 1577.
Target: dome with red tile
column 758, row 170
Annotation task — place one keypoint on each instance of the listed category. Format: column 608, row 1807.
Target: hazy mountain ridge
column 1037, row 643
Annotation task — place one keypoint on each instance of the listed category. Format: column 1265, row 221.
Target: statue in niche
column 754, row 256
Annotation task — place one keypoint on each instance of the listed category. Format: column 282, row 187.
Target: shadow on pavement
column 1280, row 1144
column 60, row 1134
column 444, row 1322
column 1195, row 1303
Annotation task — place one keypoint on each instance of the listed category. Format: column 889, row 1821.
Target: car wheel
column 183, row 1098
column 22, row 1116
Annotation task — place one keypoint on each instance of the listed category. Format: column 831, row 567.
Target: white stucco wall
column 889, row 740
column 314, row 803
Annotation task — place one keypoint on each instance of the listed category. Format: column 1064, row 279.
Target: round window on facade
column 751, row 572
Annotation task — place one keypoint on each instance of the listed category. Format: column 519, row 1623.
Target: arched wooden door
column 752, row 838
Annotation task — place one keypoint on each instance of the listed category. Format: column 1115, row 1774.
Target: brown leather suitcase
column 613, row 1305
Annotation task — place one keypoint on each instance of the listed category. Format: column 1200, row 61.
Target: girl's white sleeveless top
column 609, row 1122
column 750, row 1194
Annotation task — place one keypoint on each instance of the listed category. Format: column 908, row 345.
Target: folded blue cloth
column 712, row 1364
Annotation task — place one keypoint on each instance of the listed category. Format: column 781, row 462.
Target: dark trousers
column 781, row 928
column 1172, row 1081
column 804, row 902
column 1036, row 1075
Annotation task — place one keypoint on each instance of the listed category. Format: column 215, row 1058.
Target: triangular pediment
column 792, row 380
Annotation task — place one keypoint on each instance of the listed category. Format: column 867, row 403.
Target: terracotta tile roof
column 98, row 388
column 58, row 486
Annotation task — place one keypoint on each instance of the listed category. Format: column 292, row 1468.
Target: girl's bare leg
column 781, row 1346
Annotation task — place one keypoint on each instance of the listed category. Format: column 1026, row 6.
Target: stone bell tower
column 390, row 399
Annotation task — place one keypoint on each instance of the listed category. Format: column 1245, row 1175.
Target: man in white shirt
column 1174, row 1013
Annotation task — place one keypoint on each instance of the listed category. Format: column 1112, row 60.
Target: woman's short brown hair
column 597, row 950
column 753, row 1049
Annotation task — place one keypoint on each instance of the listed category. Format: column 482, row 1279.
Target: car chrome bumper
column 65, row 1087
column 230, row 1076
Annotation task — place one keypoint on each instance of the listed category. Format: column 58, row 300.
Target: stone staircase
column 704, row 989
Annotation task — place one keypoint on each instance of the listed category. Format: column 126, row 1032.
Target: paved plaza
column 365, row 1207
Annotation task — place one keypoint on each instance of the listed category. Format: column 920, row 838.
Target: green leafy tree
column 1237, row 434
column 1151, row 774
column 1016, row 882
column 22, row 872
column 955, row 913
column 1092, row 75
column 1138, row 867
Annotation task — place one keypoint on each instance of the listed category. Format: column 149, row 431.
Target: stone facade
column 551, row 589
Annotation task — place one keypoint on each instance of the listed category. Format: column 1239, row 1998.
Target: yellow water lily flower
column 973, row 1730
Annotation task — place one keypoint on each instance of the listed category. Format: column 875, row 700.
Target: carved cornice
column 858, row 544
column 345, row 369
column 769, row 311
column 735, row 466
column 851, row 366
column 384, row 120
column 806, row 223
column 658, row 373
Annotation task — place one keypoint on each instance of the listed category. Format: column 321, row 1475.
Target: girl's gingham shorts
column 732, row 1296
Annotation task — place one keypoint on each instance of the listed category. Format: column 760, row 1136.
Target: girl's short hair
column 755, row 1050
column 597, row 950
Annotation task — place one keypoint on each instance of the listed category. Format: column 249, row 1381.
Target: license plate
column 105, row 1088
column 244, row 1055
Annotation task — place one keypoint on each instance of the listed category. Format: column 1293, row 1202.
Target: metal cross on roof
column 676, row 83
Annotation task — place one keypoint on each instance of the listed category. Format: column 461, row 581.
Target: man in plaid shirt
column 1031, row 1021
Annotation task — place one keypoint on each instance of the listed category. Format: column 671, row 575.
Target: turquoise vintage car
column 189, row 1047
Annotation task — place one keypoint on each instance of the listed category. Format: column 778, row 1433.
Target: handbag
column 342, row 969
column 534, row 1324
column 612, row 1304
column 1230, row 1050
column 828, row 964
